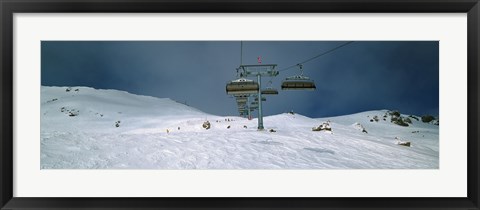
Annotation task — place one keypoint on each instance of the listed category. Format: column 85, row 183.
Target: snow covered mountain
column 85, row 128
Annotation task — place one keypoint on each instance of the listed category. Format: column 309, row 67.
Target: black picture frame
column 9, row 7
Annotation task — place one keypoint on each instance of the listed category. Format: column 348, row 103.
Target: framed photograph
column 239, row 105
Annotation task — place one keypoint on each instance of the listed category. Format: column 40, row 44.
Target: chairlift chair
column 241, row 100
column 270, row 90
column 242, row 86
column 241, row 104
column 298, row 82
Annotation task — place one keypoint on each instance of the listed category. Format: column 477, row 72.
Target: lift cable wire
column 315, row 57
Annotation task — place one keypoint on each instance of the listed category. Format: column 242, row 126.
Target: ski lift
column 270, row 90
column 241, row 100
column 242, row 86
column 298, row 82
column 263, row 99
column 241, row 106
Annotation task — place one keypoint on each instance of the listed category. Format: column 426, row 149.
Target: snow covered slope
column 84, row 128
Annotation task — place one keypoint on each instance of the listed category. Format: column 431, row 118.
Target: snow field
column 90, row 139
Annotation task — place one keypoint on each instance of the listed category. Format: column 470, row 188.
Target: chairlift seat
column 263, row 99
column 242, row 86
column 298, row 83
column 241, row 100
column 270, row 91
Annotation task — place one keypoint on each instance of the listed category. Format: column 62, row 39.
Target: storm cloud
column 360, row 76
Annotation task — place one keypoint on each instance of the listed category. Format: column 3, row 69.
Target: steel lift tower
column 259, row 71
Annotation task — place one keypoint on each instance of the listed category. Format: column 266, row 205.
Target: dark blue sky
column 361, row 76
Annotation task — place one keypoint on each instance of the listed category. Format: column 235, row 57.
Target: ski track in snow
column 90, row 140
